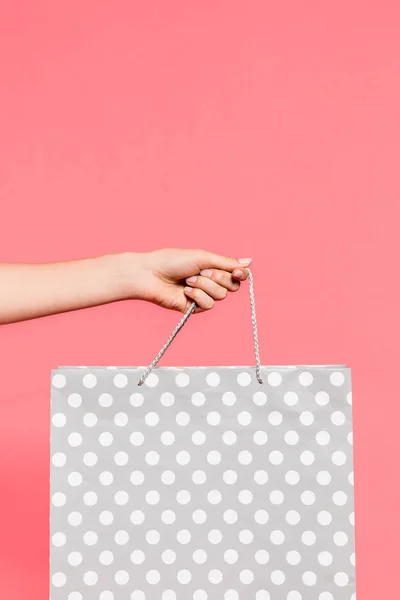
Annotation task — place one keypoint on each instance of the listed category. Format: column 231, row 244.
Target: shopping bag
column 202, row 482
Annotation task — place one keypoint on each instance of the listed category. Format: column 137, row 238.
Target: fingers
column 202, row 299
column 230, row 281
column 208, row 260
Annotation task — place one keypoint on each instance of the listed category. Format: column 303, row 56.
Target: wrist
column 129, row 274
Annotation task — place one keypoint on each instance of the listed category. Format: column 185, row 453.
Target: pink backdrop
column 255, row 128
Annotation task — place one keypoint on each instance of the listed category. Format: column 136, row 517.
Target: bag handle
column 186, row 317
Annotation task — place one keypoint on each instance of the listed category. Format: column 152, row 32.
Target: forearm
column 28, row 291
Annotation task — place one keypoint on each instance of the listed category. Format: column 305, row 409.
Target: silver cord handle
column 186, row 317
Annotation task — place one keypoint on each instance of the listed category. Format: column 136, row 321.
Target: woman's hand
column 173, row 278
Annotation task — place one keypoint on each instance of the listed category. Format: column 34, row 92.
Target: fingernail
column 191, row 279
column 206, row 273
column 245, row 261
column 239, row 273
column 188, row 289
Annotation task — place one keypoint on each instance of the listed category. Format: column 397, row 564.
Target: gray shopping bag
column 202, row 482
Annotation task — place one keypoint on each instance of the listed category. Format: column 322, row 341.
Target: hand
column 174, row 278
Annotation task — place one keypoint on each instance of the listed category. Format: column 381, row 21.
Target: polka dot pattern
column 202, row 484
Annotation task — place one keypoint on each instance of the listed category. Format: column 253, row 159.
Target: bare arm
column 28, row 291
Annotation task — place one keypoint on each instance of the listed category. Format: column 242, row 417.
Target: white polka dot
column 199, row 557
column 121, row 577
column 121, row 458
column 106, row 438
column 120, row 380
column 137, row 557
column 74, row 400
column 261, row 517
column 90, row 578
column 121, row 498
column 339, row 498
column 231, row 595
column 183, row 458
column 349, row 398
column 168, row 477
column 214, row 536
column 167, row 438
column 277, row 537
column 152, row 577
column 308, row 538
column 230, row 477
column 213, row 418
column 136, row 438
column 291, row 438
column 199, row 477
column 230, row 516
column 291, row 398
column 351, row 478
column 259, row 398
column 325, row 558
column 260, row 438
column 59, row 381
column 137, row 595
column 106, row 557
column 275, row 418
column 59, row 459
column 106, row 478
column 182, row 379
column 121, row 538
column 167, row 399
column 276, row 497
column 244, row 418
column 213, row 379
column 292, row 477
column 305, row 378
column 292, row 517
column 215, row 576
column 278, row 577
column 90, row 538
column 293, row 557
column 59, row 580
column 136, row 399
column 168, row 517
column 276, row 457
column 327, row 596
column 294, row 595
column 341, row 579
column 199, row 517
column 89, row 380
column 339, row 458
column 182, row 418
column 152, row 497
column 184, row 576
column 200, row 595
column 231, row 556
column 245, row 497
column 90, row 498
column 168, row 595
column 198, row 399
column 152, row 419
column 261, row 557
column 106, row 517
column 324, row 477
column 152, row 537
column 58, row 539
column 121, row 419
column 246, row 576
column 229, row 438
column 337, row 378
column 324, row 517
column 244, row 379
column 137, row 517
column 307, row 457
column 106, row 400
column 309, row 578
column 74, row 439
column 353, row 559
column 59, row 420
column 183, row 497
column 350, row 438
column 152, row 458
column 75, row 479
column 261, row 477
column 137, row 478
column 151, row 380
column 340, row 538
column 351, row 518
column 308, row 498
column 214, row 457
column 274, row 379
column 245, row 457
column 323, row 438
column 214, row 497
column 89, row 419
column 338, row 418
column 78, row 596
column 307, row 418
column 322, row 398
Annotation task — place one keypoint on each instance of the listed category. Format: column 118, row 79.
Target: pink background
column 263, row 129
